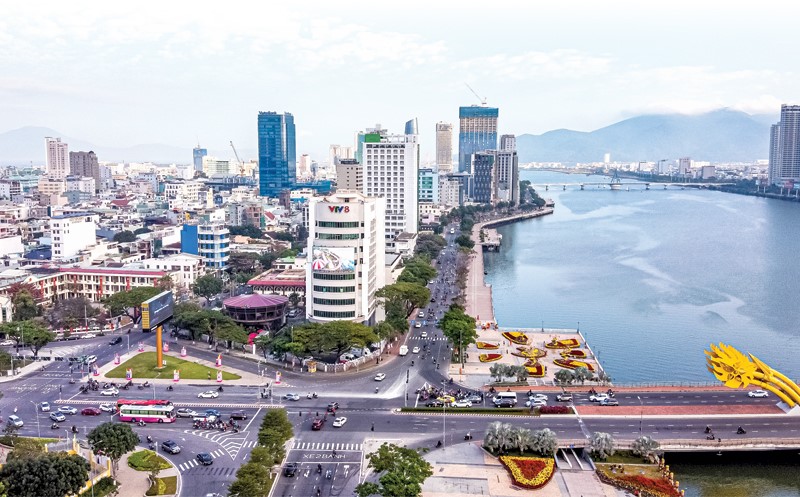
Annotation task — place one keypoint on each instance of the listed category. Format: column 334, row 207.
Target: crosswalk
column 191, row 463
column 232, row 443
column 325, row 446
column 427, row 339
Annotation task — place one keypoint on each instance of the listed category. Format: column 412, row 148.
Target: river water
column 651, row 277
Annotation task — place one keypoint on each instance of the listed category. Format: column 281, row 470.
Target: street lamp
column 36, row 411
column 641, row 414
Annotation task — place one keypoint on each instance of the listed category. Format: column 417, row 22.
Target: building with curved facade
column 257, row 311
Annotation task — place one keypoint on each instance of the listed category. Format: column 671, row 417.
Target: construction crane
column 241, row 164
column 481, row 99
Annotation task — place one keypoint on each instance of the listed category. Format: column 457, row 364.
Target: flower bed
column 572, row 364
column 555, row 410
column 487, row 345
column 490, row 357
column 516, row 337
column 567, row 343
column 532, row 353
column 529, row 472
column 535, row 369
column 644, row 485
column 577, row 353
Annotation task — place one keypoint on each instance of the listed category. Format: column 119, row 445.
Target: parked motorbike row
column 217, row 425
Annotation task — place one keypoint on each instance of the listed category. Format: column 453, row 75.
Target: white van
column 403, row 350
column 501, row 396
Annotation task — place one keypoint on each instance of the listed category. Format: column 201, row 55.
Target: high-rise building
column 85, row 165
column 506, row 171
column 197, row 157
column 508, row 143
column 304, row 168
column 210, row 240
column 428, row 192
column 774, row 153
column 787, row 156
column 684, row 165
column 483, row 177
column 212, row 166
column 72, row 233
column 444, row 147
column 391, row 164
column 346, row 257
column 57, row 165
column 349, row 176
column 277, row 157
column 477, row 132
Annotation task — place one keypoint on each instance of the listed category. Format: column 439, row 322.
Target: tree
column 521, row 372
column 294, row 299
column 545, row 442
column 71, row 313
column 23, row 300
column 49, row 475
column 246, row 230
column 459, row 328
column 113, row 440
column 264, row 343
column 190, row 317
column 522, row 438
column 406, row 296
column 498, row 371
column 125, row 237
column 646, row 447
column 230, row 331
column 130, row 302
column 29, row 334
column 333, row 337
column 207, row 286
column 465, row 241
column 565, row 376
column 26, row 448
column 429, row 245
column 404, row 471
column 141, row 231
column 383, row 330
column 602, row 445
column 166, row 283
column 582, row 374
column 498, row 437
column 417, row 270
column 243, row 262
column 267, row 258
column 252, row 480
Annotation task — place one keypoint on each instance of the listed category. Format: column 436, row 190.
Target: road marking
column 327, row 446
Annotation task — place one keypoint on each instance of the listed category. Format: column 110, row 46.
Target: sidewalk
column 136, row 483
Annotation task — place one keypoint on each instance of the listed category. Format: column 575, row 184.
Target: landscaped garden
column 517, row 337
column 567, row 343
column 490, row 357
column 164, row 486
column 147, row 460
column 144, row 366
column 526, row 454
column 529, row 472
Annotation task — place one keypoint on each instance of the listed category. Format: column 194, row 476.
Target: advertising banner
column 333, row 259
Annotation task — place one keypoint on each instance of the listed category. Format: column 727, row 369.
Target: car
column 212, row 412
column 434, row 403
column 57, row 417
column 598, row 397
column 115, row 341
column 185, row 412
column 421, row 314
column 292, row 313
column 89, row 335
column 332, row 406
column 171, row 447
column 417, row 325
column 112, row 392
column 757, row 393
column 461, row 403
column 317, row 424
column 538, row 396
column 339, row 422
column 535, row 403
column 505, row 403
column 609, row 402
column 475, row 399
column 415, row 350
column 433, row 300
column 290, row 469
column 238, row 415
column 90, row 359
column 91, row 411
column 208, row 394
column 45, row 406
column 67, row 410
column 564, row 397
column 205, row 459
column 14, row 420
column 291, row 396
column 107, row 408
column 6, row 343
column 424, row 334
column 380, row 376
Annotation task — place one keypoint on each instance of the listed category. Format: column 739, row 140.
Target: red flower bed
column 529, row 472
column 572, row 364
column 554, row 410
column 644, row 485
column 577, row 353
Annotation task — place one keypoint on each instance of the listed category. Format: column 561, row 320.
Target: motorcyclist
column 708, row 429
column 740, row 431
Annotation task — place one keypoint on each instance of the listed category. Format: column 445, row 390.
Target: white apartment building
column 449, row 188
column 391, row 164
column 72, row 233
column 9, row 188
column 49, row 186
column 212, row 166
column 346, row 248
column 78, row 184
column 57, row 165
column 184, row 268
column 444, row 147
column 187, row 191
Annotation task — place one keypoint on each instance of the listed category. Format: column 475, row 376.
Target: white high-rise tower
column 57, row 158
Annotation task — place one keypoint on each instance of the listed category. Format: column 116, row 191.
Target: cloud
column 560, row 63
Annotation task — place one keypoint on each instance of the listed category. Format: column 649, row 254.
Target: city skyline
column 134, row 79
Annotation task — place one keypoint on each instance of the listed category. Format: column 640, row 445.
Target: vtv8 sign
column 339, row 208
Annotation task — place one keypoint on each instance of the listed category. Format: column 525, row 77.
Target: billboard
column 157, row 310
column 333, row 259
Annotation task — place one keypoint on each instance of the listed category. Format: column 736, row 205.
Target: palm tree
column 602, row 445
column 491, row 441
column 645, row 446
column 522, row 438
column 545, row 442
column 582, row 374
column 565, row 376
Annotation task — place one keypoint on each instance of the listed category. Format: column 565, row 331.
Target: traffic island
column 143, row 365
column 153, row 464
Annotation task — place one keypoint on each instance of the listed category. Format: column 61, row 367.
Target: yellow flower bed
column 516, row 337
column 567, row 343
column 490, row 357
column 572, row 364
column 487, row 345
column 529, row 472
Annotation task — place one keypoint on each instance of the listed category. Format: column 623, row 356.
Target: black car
column 317, row 424
column 238, row 415
column 290, row 469
column 205, row 459
column 505, row 403
column 434, row 403
column 333, row 406
column 115, row 341
column 170, row 446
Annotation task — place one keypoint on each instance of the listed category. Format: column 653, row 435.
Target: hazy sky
column 125, row 73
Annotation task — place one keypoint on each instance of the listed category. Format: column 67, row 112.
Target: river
column 651, row 277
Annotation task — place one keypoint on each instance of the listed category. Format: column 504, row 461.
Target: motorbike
column 54, row 426
column 314, row 395
column 328, row 474
column 149, row 439
column 72, row 381
column 169, row 388
column 319, row 468
column 152, row 446
column 468, row 436
column 412, row 363
column 219, row 389
column 308, row 396
column 741, row 431
column 376, row 389
column 439, row 443
column 710, row 437
column 146, row 384
column 141, row 423
column 708, row 429
column 140, row 387
column 124, row 387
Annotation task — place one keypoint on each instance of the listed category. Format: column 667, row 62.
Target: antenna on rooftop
column 481, row 99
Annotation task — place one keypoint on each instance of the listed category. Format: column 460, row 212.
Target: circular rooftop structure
column 257, row 311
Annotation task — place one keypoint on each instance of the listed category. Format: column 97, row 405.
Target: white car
column 89, row 335
column 461, row 403
column 91, row 359
column 380, row 376
column 208, row 394
column 67, row 410
column 291, row 396
column 45, row 406
column 14, row 420
column 757, row 393
column 417, row 325
column 415, row 350
column 421, row 314
column 424, row 334
column 112, row 392
column 536, row 403
column 107, row 408
column 538, row 396
column 339, row 422
column 598, row 397
column 7, row 342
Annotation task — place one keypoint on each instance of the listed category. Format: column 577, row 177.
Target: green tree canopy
column 458, row 327
column 465, row 241
column 23, row 300
column 29, row 334
column 246, row 230
column 125, row 236
column 429, row 245
column 333, row 337
column 417, row 270
column 49, row 475
column 243, row 262
column 113, row 440
column 408, row 296
column 130, row 302
column 71, row 313
column 252, row 480
column 402, row 470
column 207, row 286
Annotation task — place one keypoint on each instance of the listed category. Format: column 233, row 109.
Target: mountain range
column 719, row 136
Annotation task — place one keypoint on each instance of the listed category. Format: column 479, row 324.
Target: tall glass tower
column 477, row 132
column 276, row 153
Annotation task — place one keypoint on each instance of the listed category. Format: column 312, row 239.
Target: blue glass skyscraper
column 197, row 157
column 276, row 153
column 477, row 132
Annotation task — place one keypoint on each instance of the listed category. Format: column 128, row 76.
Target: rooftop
column 255, row 300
